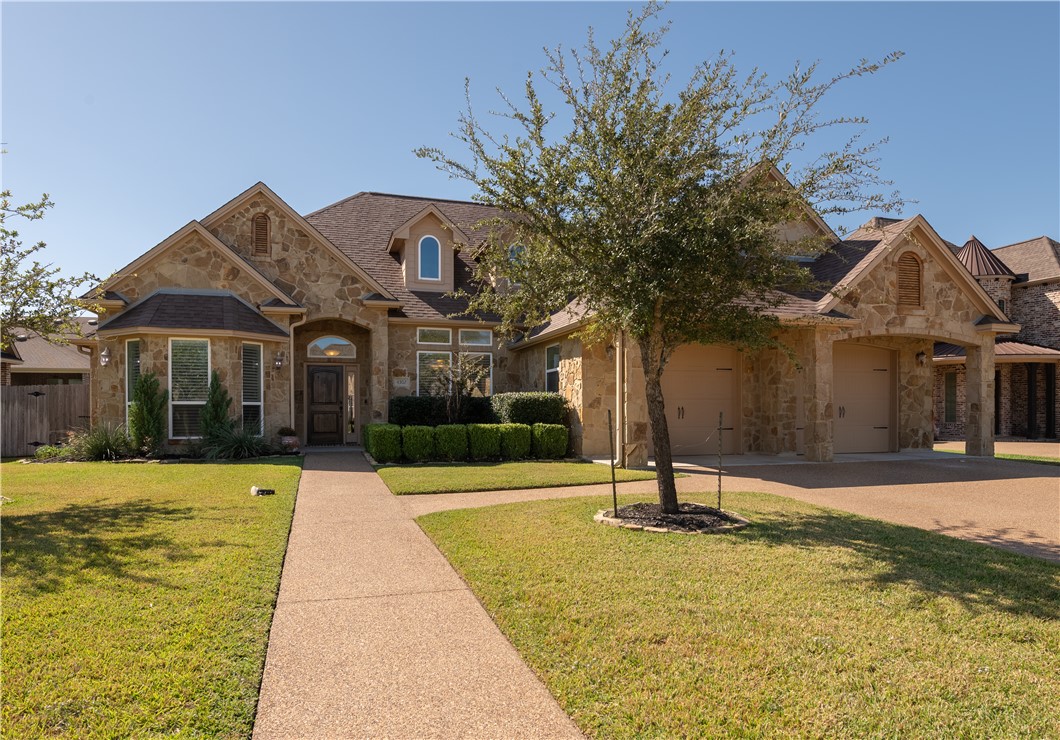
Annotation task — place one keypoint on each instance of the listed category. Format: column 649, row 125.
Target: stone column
column 979, row 399
column 378, row 384
column 816, row 360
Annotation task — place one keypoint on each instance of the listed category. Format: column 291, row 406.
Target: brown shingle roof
column 844, row 261
column 1002, row 349
column 38, row 354
column 1038, row 259
column 980, row 261
column 361, row 227
column 192, row 309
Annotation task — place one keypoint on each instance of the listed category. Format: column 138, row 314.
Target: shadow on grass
column 44, row 550
column 976, row 576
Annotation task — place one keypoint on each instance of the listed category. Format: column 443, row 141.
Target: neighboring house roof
column 1037, row 259
column 981, row 262
column 193, row 310
column 1004, row 351
column 361, row 226
column 38, row 355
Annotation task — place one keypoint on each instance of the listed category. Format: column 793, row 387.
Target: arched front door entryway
column 331, row 391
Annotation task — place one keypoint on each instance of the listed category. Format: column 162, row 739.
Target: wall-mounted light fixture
column 921, row 358
column 279, row 360
column 104, row 357
column 610, row 351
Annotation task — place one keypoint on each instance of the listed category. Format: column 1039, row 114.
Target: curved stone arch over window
column 909, row 280
column 430, row 258
column 332, row 348
column 260, row 223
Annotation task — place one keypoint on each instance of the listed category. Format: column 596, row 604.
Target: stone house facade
column 315, row 322
column 1023, row 279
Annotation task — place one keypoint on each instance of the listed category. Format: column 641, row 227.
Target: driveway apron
column 375, row 635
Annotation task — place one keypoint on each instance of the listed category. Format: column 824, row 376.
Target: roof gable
column 260, row 189
column 1038, row 259
column 402, row 230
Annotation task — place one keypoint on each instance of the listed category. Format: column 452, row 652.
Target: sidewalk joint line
column 371, row 596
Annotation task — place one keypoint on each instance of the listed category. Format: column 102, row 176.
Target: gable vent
column 261, row 234
column 908, row 280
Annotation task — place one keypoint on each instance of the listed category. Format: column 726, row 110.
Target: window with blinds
column 132, row 372
column 189, row 382
column 433, row 376
column 253, row 416
column 908, row 280
column 476, row 368
column 552, row 369
column 261, row 234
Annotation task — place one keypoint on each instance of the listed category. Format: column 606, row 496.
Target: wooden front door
column 324, row 412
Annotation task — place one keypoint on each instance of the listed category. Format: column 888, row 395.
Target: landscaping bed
column 811, row 622
column 138, row 598
column 498, row 476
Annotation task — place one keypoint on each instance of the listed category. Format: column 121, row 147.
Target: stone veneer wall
column 108, row 391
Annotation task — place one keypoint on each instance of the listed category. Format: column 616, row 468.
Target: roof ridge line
column 337, row 203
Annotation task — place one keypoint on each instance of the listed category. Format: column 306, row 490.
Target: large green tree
column 657, row 207
column 33, row 295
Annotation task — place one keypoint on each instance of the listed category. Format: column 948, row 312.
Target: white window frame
column 419, row 258
column 482, row 354
column 449, row 355
column 448, row 342
column 555, row 370
column 261, row 386
column 476, row 344
column 129, row 388
column 209, row 374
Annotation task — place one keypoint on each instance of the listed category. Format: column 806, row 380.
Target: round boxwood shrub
column 515, row 441
column 484, row 441
column 418, row 443
column 383, row 442
column 450, row 442
column 549, row 441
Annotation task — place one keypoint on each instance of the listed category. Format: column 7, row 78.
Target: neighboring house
column 317, row 321
column 33, row 360
column 1023, row 279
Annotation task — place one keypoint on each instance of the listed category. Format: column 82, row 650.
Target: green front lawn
column 460, row 477
column 137, row 599
column 810, row 623
column 1040, row 459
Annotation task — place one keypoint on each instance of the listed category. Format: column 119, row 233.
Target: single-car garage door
column 864, row 398
column 699, row 382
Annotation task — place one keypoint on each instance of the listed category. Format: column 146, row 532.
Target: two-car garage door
column 699, row 382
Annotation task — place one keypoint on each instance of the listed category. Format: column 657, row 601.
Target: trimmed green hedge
column 515, row 441
column 550, row 441
column 530, row 408
column 430, row 411
column 418, row 443
column 383, row 442
column 450, row 442
column 484, row 441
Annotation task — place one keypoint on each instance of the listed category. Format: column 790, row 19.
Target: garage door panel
column 699, row 383
column 864, row 398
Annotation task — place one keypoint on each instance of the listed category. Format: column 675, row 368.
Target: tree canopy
column 33, row 295
column 658, row 208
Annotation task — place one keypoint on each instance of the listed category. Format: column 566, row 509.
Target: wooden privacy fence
column 31, row 415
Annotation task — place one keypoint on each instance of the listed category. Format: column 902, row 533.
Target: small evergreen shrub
column 515, row 441
column 147, row 415
column 214, row 414
column 417, row 410
column 234, row 443
column 477, row 410
column 484, row 441
column 102, row 442
column 417, row 442
column 550, row 441
column 530, row 408
column 384, row 442
column 450, row 442
column 48, row 452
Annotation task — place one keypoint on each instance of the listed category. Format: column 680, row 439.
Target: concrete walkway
column 375, row 635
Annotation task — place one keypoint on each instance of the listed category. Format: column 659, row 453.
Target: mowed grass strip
column 502, row 476
column 809, row 623
column 138, row 598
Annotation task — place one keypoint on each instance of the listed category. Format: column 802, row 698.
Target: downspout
column 620, row 398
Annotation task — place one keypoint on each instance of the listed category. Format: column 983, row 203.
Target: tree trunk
column 651, row 356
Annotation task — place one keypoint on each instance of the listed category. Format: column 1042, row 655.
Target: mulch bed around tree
column 693, row 517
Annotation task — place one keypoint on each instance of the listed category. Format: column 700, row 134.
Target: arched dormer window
column 332, row 348
column 261, row 234
column 430, row 259
column 909, row 279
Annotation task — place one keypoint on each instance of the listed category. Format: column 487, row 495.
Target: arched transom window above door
column 332, row 348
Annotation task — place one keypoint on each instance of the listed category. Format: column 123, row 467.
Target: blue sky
column 139, row 117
